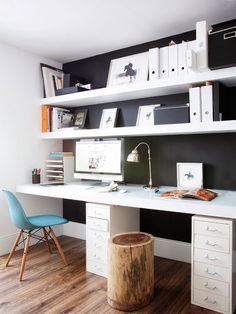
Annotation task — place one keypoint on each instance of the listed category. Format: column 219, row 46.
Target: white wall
column 21, row 149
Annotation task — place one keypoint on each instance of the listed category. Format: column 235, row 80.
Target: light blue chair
column 29, row 226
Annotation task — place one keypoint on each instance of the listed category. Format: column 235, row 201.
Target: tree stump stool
column 130, row 271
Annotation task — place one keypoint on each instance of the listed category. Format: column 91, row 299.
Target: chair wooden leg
column 47, row 242
column 14, row 247
column 58, row 246
column 22, row 267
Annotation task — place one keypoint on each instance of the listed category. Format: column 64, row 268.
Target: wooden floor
column 50, row 287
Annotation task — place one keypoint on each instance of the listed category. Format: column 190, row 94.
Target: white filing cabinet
column 213, row 279
column 103, row 221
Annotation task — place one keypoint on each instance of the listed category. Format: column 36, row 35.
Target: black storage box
column 171, row 114
column 69, row 90
column 222, row 46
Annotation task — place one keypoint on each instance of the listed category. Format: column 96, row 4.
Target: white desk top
column 222, row 206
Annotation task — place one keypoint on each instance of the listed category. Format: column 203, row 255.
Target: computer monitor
column 99, row 160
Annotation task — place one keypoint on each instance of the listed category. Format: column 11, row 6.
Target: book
column 60, row 154
column 199, row 193
column 45, row 118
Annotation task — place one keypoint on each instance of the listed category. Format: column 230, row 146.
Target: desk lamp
column 134, row 157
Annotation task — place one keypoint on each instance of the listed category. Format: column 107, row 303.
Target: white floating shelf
column 147, row 89
column 156, row 130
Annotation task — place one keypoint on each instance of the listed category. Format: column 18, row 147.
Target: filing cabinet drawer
column 210, row 300
column 211, row 228
column 212, row 286
column 213, row 258
column 96, row 268
column 98, row 211
column 212, row 243
column 97, row 245
column 211, row 271
column 95, row 235
column 97, row 255
column 97, row 223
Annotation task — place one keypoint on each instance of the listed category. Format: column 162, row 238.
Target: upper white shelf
column 156, row 130
column 147, row 89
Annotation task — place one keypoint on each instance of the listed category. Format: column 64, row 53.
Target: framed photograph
column 145, row 115
column 128, row 70
column 80, row 118
column 66, row 119
column 108, row 119
column 189, row 175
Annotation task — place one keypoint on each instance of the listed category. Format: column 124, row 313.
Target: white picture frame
column 128, row 70
column 108, row 118
column 145, row 115
column 189, row 175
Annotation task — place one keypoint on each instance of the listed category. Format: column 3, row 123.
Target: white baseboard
column 176, row 250
column 75, row 230
column 6, row 242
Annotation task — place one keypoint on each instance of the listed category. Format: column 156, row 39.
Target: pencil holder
column 35, row 178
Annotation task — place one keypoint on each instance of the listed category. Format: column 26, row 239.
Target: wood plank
column 51, row 287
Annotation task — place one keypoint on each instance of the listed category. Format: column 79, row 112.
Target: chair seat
column 46, row 220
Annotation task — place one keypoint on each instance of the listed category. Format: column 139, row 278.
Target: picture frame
column 108, row 118
column 145, row 116
column 128, row 70
column 52, row 79
column 189, row 175
column 80, row 118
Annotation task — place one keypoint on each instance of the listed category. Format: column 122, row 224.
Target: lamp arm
column 143, row 143
column 149, row 161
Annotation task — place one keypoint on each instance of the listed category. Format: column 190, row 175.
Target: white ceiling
column 67, row 30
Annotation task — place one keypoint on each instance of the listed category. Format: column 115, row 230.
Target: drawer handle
column 209, row 287
column 96, row 224
column 97, row 257
column 209, row 301
column 211, row 244
column 211, row 258
column 211, row 229
column 210, row 273
column 98, row 246
column 97, row 213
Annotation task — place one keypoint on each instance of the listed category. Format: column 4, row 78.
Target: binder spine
column 173, row 60
column 207, row 103
column 154, row 64
column 195, row 105
column 164, row 62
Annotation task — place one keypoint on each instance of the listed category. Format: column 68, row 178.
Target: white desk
column 223, row 206
column 207, row 253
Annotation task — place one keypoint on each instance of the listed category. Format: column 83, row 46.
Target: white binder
column 173, row 60
column 191, row 57
column 195, row 104
column 154, row 64
column 182, row 65
column 164, row 62
column 207, row 103
column 202, row 45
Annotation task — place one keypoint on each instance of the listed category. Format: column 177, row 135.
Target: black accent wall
column 216, row 151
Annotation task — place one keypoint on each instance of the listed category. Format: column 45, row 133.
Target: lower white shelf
column 156, row 130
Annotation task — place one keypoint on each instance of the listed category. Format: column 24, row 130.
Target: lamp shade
column 133, row 156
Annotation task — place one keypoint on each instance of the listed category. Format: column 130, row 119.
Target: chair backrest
column 17, row 213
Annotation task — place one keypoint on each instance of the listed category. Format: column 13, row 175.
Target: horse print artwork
column 128, row 70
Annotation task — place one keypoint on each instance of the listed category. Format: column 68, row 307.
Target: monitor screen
column 99, row 160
